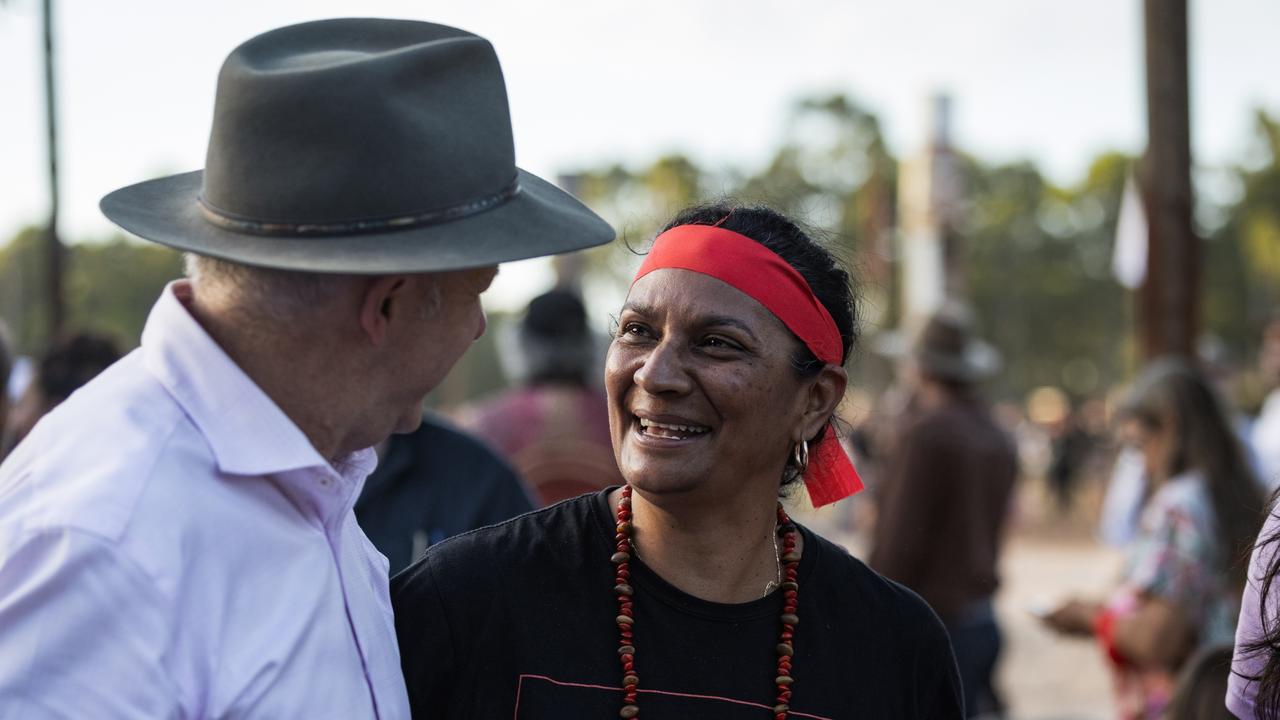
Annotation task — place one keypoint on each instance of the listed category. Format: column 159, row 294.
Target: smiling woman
column 682, row 594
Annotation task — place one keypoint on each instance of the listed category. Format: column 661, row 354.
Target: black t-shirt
column 517, row 621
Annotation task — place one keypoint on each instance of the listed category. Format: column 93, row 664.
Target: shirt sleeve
column 1170, row 559
column 427, row 654
column 1248, row 664
column 83, row 633
column 937, row 676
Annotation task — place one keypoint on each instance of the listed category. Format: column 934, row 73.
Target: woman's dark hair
column 826, row 277
column 1173, row 395
column 1267, row 694
column 1201, row 687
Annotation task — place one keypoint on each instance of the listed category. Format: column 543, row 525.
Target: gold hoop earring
column 800, row 456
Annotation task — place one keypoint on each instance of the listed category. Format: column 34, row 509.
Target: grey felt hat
column 360, row 146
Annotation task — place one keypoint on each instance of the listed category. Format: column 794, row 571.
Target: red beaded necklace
column 626, row 641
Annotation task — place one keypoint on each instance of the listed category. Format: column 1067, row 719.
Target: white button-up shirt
column 172, row 546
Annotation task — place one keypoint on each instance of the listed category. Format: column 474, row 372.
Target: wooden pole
column 53, row 246
column 1169, row 300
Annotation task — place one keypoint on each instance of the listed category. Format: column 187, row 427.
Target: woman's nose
column 663, row 371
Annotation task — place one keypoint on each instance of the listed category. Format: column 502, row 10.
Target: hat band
column 239, row 224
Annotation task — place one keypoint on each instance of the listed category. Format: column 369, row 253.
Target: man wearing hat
column 177, row 538
column 945, row 498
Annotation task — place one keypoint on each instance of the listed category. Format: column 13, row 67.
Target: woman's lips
column 666, row 434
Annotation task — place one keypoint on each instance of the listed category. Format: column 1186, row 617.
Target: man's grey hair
column 282, row 295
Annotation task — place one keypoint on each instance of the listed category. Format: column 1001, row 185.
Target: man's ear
column 823, row 398
column 382, row 300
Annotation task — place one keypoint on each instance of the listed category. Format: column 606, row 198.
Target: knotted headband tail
column 763, row 275
column 831, row 476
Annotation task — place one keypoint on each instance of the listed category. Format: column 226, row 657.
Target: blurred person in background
column 1071, row 447
column 1181, row 583
column 67, row 366
column 554, row 427
column 945, row 499
column 431, row 484
column 1265, row 434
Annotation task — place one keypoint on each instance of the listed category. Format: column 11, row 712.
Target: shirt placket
column 335, row 497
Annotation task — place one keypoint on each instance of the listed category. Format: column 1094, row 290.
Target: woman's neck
column 727, row 553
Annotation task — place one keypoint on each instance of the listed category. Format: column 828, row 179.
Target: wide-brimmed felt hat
column 360, row 146
column 948, row 349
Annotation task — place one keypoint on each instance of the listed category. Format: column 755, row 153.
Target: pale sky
column 594, row 81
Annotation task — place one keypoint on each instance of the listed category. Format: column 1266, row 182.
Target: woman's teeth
column 674, row 432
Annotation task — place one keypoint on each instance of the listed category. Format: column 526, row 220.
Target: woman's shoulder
column 848, row 582
column 1182, row 501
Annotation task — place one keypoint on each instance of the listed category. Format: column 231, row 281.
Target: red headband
column 761, row 274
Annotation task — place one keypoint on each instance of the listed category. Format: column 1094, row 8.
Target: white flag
column 1129, row 259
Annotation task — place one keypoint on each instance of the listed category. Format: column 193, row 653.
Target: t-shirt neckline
column 645, row 578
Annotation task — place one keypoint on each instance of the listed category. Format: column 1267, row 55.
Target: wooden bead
column 627, row 650
column 781, row 709
column 626, row 620
column 791, row 557
column 631, row 680
column 629, row 711
column 789, row 585
column 620, row 557
column 791, row 619
column 785, row 650
column 624, row 589
column 784, row 680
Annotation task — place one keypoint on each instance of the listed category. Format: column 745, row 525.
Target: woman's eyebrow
column 712, row 320
column 725, row 320
column 637, row 308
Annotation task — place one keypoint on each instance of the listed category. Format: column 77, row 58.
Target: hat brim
column 539, row 220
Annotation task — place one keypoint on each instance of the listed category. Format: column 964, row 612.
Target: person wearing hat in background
column 178, row 536
column 554, row 428
column 945, row 497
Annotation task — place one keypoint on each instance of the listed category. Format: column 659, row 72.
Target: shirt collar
column 247, row 432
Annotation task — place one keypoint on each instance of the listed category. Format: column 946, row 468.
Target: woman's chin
column 653, row 481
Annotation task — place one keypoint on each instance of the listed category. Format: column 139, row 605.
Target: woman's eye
column 719, row 343
column 635, row 329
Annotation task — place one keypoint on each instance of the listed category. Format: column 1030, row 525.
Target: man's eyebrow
column 703, row 320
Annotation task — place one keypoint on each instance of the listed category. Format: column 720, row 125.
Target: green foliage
column 1038, row 263
column 1243, row 255
column 110, row 286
